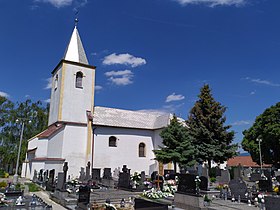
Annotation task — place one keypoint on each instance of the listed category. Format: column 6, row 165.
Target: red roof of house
column 50, row 130
column 245, row 161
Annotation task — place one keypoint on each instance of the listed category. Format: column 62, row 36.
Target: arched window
column 79, row 80
column 112, row 141
column 55, row 82
column 142, row 148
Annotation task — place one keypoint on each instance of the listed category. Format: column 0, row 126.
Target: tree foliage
column 212, row 139
column 267, row 128
column 177, row 143
column 35, row 118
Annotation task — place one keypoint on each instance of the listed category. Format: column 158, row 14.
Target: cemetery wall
column 126, row 152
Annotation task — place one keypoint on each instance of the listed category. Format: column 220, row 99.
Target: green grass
column 33, row 187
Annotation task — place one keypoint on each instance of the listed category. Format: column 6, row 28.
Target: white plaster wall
column 55, row 145
column 36, row 166
column 126, row 152
column 76, row 101
column 42, row 148
column 57, row 165
column 74, row 148
column 32, row 143
column 157, row 139
column 55, row 97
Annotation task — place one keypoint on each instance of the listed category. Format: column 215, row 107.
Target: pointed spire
column 75, row 50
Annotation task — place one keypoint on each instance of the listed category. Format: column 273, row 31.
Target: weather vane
column 76, row 18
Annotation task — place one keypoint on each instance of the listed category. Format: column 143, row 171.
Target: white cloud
column 63, row 3
column 47, row 100
column 57, row 3
column 98, row 87
column 120, row 77
column 253, row 92
column 125, row 59
column 3, row 94
column 242, row 122
column 263, row 82
column 213, row 3
column 49, row 85
column 174, row 97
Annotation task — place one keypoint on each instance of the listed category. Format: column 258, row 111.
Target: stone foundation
column 189, row 202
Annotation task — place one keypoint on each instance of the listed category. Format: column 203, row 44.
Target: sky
column 151, row 55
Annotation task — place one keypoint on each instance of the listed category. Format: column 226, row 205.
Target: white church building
column 79, row 132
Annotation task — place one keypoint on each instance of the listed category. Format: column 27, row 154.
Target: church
column 79, row 132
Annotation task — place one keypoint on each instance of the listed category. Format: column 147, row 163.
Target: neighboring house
column 245, row 162
column 78, row 132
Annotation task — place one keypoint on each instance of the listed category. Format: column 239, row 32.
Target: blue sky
column 150, row 54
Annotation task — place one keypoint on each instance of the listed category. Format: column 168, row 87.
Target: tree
column 177, row 145
column 35, row 117
column 5, row 107
column 211, row 137
column 267, row 128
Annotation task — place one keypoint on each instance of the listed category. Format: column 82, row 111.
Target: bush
column 33, row 187
column 213, row 179
column 3, row 184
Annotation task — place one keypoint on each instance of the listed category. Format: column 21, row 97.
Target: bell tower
column 73, row 79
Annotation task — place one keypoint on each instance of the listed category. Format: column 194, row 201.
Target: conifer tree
column 177, row 145
column 212, row 139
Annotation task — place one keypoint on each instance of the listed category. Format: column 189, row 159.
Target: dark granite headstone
column 144, row 204
column 255, row 177
column 153, row 175
column 238, row 188
column 60, row 181
column 224, row 178
column 41, row 175
column 205, row 172
column 84, row 195
column 50, row 182
column 95, row 173
column 143, row 176
column 265, row 185
column 107, row 173
column 278, row 178
column 125, row 169
column 187, row 183
column 169, row 174
column 272, row 202
column 88, row 171
column 124, row 180
column 203, row 183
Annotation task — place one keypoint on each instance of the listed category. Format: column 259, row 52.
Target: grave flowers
column 197, row 183
column 135, row 178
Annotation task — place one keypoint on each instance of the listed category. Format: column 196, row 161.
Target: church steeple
column 75, row 50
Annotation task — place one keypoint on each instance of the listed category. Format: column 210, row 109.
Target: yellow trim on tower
column 89, row 138
column 92, row 89
column 61, row 92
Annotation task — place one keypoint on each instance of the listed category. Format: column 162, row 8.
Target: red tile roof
column 51, row 130
column 245, row 161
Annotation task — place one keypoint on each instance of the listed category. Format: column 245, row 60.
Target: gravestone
column 87, row 171
column 267, row 174
column 238, row 188
column 41, row 175
column 203, row 183
column 153, row 175
column 247, row 173
column 35, row 178
column 218, row 171
column 95, row 173
column 224, row 178
column 272, row 202
column 187, row 183
column 84, row 195
column 124, row 178
column 255, row 177
column 276, row 173
column 143, row 176
column 205, row 172
column 237, row 172
column 107, row 173
column 50, row 182
column 60, row 181
column 144, row 204
column 265, row 185
column 82, row 176
column 278, row 178
column 199, row 170
column 45, row 176
column 169, row 174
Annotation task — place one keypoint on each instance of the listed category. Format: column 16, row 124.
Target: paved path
column 45, row 196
